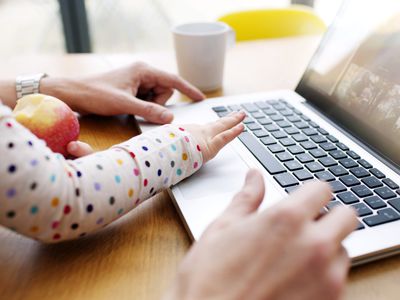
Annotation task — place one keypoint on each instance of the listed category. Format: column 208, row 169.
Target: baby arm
column 49, row 198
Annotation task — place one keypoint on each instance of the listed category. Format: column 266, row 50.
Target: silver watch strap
column 28, row 84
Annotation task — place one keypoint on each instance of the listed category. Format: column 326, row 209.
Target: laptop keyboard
column 294, row 149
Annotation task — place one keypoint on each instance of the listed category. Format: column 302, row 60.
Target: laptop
column 340, row 125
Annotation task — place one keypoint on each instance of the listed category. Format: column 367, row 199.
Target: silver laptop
column 341, row 125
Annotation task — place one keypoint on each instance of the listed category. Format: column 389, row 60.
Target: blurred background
column 110, row 26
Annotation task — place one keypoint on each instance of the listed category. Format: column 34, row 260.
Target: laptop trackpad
column 224, row 174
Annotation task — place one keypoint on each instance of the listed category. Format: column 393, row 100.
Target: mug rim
column 223, row 28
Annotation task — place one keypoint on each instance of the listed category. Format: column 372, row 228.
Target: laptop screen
column 354, row 77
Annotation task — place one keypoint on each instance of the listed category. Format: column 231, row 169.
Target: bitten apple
column 49, row 119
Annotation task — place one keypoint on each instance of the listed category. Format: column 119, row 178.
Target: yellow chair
column 274, row 23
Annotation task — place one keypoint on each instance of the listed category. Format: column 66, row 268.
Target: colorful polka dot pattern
column 51, row 199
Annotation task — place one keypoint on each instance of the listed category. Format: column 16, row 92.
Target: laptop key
column 313, row 124
column 286, row 179
column 279, row 134
column 294, row 119
column 310, row 131
column 248, row 120
column 395, row 203
column 286, row 112
column 342, row 146
column 262, row 104
column 377, row 173
column 250, row 107
column 348, row 163
column 276, row 148
column 322, row 131
column 292, row 130
column 218, row 109
column 276, row 118
column 385, row 215
column 332, row 138
column 365, row 164
column 234, row 107
column 337, row 154
column 295, row 149
column 268, row 141
column 375, row 202
column 362, row 210
column 284, row 156
column 303, row 175
column 359, row 172
column 279, row 106
column 349, row 180
column 390, row 183
column 270, row 163
column 318, row 139
column 314, row 166
column 360, row 226
column 293, row 165
column 291, row 189
column 223, row 114
column 325, row 176
column 283, row 124
column 271, row 127
column 338, row 171
column 353, row 154
column 253, row 126
column 269, row 111
column 300, row 137
column 333, row 204
column 260, row 133
column 328, row 146
column 305, row 118
column 287, row 142
column 361, row 191
column 372, row 182
column 385, row 193
column 265, row 121
column 304, row 158
column 257, row 115
column 327, row 161
column 337, row 186
column 308, row 145
column 318, row 153
column 301, row 125
column 348, row 198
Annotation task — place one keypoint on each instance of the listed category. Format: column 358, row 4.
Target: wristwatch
column 28, row 84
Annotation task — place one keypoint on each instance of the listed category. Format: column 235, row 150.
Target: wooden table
column 137, row 257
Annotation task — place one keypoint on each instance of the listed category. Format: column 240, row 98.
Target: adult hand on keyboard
column 284, row 252
column 212, row 137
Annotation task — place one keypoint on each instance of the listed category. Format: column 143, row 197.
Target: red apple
column 49, row 119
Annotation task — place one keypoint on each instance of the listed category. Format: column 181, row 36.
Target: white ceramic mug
column 200, row 52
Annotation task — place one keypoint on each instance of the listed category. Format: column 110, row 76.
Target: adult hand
column 138, row 89
column 284, row 252
column 212, row 137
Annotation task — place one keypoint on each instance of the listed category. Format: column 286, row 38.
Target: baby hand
column 212, row 137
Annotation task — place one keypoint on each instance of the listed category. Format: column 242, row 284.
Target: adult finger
column 224, row 138
column 249, row 198
column 162, row 95
column 226, row 122
column 79, row 149
column 152, row 112
column 309, row 199
column 338, row 223
column 338, row 273
column 180, row 84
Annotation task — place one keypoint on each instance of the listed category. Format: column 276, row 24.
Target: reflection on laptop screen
column 355, row 74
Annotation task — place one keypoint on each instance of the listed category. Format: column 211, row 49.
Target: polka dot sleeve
column 49, row 198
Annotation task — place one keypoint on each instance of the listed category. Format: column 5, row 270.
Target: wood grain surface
column 137, row 256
